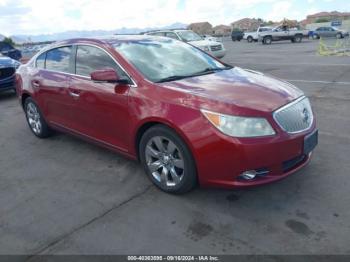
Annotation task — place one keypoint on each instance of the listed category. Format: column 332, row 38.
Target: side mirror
column 107, row 75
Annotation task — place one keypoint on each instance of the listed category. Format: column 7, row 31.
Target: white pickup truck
column 254, row 36
column 281, row 33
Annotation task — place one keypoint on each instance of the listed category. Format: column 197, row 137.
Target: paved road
column 64, row 196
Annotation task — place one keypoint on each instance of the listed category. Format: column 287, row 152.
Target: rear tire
column 267, row 40
column 35, row 119
column 167, row 160
column 297, row 38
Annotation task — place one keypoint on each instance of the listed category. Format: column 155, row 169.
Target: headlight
column 205, row 48
column 238, row 126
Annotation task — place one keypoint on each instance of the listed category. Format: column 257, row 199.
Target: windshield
column 161, row 59
column 189, row 36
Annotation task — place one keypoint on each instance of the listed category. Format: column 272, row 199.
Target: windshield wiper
column 211, row 70
column 203, row 72
column 172, row 78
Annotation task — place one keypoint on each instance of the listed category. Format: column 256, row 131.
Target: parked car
column 254, row 36
column 8, row 50
column 8, row 68
column 216, row 49
column 329, row 31
column 186, row 116
column 281, row 33
column 236, row 35
column 211, row 38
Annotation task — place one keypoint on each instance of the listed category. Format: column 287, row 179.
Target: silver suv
column 214, row 48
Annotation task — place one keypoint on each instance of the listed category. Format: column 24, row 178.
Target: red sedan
column 186, row 116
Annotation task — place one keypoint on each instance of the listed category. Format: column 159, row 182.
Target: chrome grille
column 215, row 47
column 6, row 72
column 295, row 117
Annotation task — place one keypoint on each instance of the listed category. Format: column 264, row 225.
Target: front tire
column 35, row 119
column 339, row 35
column 249, row 39
column 167, row 160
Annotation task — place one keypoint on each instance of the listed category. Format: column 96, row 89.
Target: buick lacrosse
column 186, row 116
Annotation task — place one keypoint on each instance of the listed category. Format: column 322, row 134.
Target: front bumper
column 221, row 162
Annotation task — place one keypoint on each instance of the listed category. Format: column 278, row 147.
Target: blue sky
column 52, row 16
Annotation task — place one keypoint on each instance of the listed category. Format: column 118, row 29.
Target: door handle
column 74, row 93
column 36, row 84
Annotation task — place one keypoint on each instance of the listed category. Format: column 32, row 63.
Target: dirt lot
column 65, row 196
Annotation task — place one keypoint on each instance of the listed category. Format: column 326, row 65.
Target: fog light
column 248, row 175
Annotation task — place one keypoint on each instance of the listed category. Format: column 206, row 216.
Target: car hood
column 240, row 87
column 6, row 62
column 204, row 43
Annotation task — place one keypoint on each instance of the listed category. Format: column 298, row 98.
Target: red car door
column 101, row 109
column 50, row 82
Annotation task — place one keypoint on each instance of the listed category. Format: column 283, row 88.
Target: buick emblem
column 305, row 115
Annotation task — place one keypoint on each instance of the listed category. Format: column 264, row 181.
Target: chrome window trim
column 289, row 105
column 77, row 45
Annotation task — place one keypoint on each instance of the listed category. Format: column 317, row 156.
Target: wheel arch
column 148, row 123
column 24, row 96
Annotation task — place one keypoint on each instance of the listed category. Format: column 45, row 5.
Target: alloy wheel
column 33, row 116
column 164, row 161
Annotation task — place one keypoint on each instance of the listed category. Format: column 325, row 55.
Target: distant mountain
column 74, row 34
column 18, row 40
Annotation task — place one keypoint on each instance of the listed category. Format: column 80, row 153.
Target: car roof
column 109, row 40
column 167, row 30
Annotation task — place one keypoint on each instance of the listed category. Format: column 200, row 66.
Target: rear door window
column 58, row 59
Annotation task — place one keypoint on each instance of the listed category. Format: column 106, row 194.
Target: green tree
column 9, row 41
column 322, row 20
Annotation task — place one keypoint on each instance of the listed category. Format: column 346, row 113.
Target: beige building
column 202, row 28
column 335, row 15
column 222, row 30
column 247, row 24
